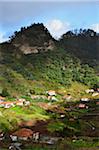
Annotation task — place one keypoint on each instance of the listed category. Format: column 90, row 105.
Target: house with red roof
column 22, row 134
column 7, row 104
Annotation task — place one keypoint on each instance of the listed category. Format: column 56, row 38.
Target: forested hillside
column 83, row 44
column 32, row 54
column 49, row 90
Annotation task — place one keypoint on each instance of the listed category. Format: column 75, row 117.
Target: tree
column 5, row 92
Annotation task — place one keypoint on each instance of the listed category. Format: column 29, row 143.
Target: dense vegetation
column 84, row 44
column 53, row 66
column 32, row 62
column 70, row 59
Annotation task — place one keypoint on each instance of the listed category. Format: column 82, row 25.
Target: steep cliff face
column 33, row 39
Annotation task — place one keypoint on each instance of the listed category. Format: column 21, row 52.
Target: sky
column 58, row 16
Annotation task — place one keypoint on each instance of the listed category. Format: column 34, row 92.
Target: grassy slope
column 36, row 71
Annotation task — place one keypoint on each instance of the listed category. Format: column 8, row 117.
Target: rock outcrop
column 33, row 39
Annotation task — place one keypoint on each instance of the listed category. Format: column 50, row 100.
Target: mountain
column 83, row 44
column 33, row 39
column 32, row 60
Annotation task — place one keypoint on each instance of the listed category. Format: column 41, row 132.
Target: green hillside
column 51, row 63
column 53, row 67
column 33, row 64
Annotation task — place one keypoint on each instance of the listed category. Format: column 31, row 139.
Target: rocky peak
column 33, row 39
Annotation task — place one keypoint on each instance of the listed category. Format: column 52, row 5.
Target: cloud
column 57, row 27
column 3, row 38
column 95, row 27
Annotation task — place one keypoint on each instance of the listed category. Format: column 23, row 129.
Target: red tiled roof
column 82, row 106
column 6, row 103
column 24, row 132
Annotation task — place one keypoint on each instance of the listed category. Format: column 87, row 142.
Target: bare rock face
column 33, row 39
column 26, row 49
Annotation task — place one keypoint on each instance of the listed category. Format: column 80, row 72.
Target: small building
column 7, row 104
column 53, row 98
column 95, row 94
column 22, row 134
column 51, row 93
column 21, row 100
column 62, row 116
column 19, row 103
column 36, row 136
column 89, row 91
column 14, row 138
column 82, row 106
column 27, row 103
column 84, row 100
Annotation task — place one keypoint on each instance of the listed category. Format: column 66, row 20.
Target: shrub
column 5, row 92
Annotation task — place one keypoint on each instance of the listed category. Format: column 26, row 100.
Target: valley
column 49, row 91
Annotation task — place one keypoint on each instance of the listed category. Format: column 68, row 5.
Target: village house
column 84, row 100
column 19, row 103
column 21, row 100
column 27, row 103
column 95, row 94
column 89, row 91
column 7, row 104
column 53, row 98
column 22, row 134
column 36, row 136
column 62, row 116
column 51, row 93
column 82, row 106
column 14, row 138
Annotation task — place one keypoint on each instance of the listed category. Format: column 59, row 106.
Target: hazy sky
column 58, row 16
